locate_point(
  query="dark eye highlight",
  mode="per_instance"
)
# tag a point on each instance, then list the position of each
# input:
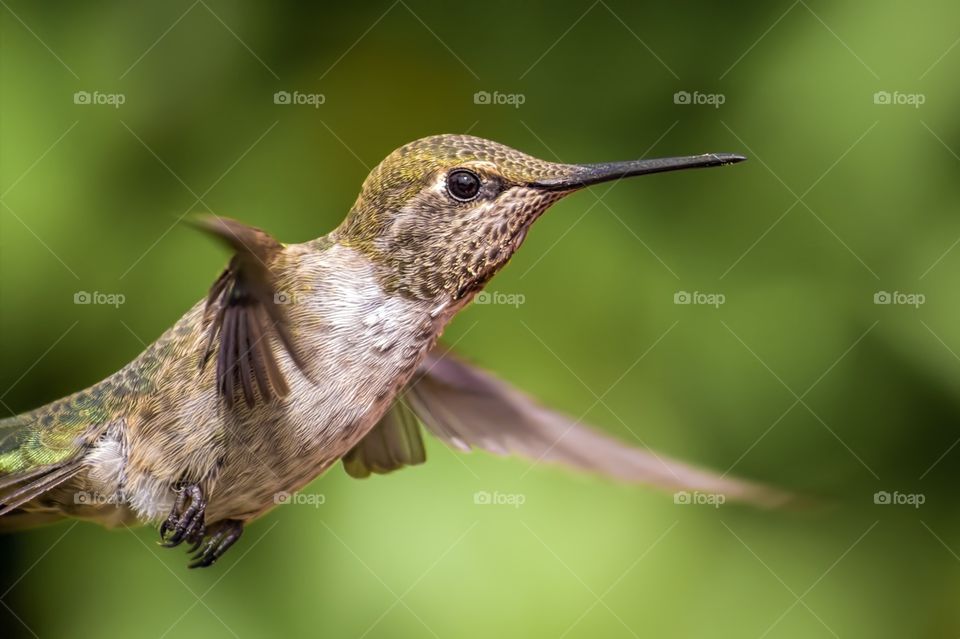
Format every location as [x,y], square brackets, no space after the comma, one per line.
[463,185]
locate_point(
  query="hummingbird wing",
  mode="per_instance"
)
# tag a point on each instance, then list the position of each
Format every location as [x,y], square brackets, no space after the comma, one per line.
[243,310]
[468,408]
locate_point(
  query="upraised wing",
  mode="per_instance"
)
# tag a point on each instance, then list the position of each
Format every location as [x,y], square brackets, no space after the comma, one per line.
[243,310]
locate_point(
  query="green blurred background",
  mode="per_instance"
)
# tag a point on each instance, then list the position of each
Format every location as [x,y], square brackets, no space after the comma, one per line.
[799,378]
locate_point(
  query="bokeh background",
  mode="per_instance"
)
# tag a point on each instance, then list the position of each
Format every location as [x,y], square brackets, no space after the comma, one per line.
[799,378]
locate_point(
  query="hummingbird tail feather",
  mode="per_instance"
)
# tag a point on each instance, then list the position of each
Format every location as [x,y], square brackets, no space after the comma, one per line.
[36,485]
[19,478]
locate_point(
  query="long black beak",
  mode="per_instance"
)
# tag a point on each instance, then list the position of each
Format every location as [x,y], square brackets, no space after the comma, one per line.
[581,175]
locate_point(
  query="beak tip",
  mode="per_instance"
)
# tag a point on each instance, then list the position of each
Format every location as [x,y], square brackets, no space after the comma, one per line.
[729,158]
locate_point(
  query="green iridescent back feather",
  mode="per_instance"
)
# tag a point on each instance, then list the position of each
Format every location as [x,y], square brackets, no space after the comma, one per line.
[403,173]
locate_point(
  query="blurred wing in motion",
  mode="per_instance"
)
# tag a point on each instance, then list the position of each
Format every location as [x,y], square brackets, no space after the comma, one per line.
[243,310]
[468,408]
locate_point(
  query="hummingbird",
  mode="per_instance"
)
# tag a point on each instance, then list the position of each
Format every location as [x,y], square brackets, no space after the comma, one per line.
[305,355]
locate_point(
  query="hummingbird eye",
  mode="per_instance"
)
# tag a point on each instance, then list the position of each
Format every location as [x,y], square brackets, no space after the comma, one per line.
[463,185]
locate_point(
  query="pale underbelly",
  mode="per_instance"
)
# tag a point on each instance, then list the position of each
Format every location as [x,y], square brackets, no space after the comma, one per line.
[267,463]
[262,475]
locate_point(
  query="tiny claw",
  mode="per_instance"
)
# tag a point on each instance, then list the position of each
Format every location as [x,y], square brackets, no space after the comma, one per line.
[195,551]
[184,524]
[227,533]
[196,537]
[210,544]
[207,560]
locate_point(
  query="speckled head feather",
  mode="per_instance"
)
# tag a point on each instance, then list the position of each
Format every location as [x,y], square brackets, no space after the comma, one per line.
[432,244]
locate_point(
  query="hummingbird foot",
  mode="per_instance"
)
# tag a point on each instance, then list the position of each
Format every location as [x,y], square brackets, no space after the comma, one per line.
[185,522]
[222,535]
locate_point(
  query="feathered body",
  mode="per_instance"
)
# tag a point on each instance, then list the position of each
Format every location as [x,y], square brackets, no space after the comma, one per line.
[362,346]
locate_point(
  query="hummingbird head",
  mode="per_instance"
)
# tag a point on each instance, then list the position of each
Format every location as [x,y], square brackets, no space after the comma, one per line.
[444,213]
